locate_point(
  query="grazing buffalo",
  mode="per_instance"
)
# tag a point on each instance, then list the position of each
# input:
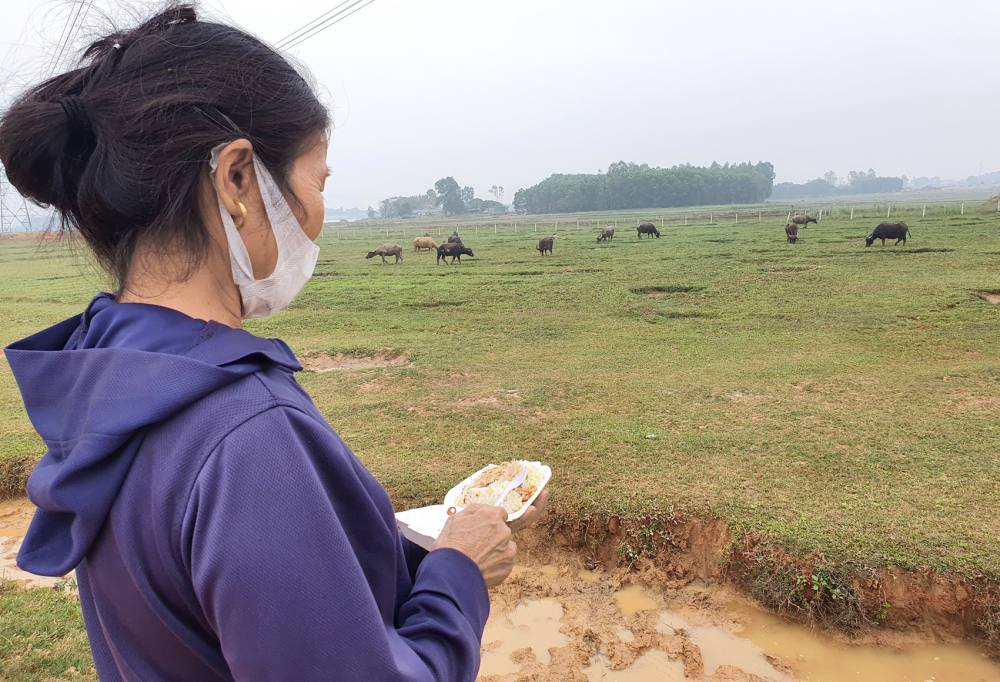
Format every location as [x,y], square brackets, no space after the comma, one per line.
[387,249]
[424,243]
[897,231]
[648,228]
[545,244]
[607,234]
[455,250]
[792,232]
[803,220]
[454,238]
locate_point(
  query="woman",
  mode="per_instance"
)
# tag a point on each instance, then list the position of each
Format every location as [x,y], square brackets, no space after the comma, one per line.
[219,527]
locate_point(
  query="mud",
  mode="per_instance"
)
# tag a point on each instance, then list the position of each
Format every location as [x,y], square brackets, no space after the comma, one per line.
[989,297]
[15,516]
[669,552]
[553,623]
[325,362]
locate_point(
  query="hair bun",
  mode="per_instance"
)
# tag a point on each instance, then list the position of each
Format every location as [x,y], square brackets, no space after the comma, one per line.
[36,152]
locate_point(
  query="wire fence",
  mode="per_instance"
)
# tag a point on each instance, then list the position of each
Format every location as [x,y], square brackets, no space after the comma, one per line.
[544,226]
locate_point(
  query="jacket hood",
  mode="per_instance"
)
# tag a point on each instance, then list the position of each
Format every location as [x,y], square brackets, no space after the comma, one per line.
[90,384]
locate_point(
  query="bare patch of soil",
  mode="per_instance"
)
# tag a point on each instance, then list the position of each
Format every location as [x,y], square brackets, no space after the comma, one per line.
[15,516]
[326,362]
[989,297]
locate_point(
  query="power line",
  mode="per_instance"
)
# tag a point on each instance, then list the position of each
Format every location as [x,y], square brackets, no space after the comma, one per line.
[299,30]
[325,24]
[69,31]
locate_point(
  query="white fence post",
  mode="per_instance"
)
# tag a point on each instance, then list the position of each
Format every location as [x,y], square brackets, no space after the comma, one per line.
[888,210]
[536,227]
[963,208]
[737,217]
[758,216]
[852,214]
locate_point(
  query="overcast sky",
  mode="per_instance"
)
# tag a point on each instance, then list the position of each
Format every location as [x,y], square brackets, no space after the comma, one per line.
[507,92]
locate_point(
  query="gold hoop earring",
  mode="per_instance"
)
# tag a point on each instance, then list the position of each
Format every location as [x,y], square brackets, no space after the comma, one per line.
[243,223]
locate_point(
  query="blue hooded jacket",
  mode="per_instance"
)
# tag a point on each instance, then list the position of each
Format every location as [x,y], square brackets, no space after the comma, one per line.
[220,529]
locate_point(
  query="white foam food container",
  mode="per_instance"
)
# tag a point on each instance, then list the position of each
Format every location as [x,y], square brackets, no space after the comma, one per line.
[423,525]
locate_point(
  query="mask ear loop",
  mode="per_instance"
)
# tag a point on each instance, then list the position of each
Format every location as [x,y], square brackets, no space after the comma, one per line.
[243,223]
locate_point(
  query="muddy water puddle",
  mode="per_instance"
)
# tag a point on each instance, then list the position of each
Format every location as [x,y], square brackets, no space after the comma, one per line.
[561,624]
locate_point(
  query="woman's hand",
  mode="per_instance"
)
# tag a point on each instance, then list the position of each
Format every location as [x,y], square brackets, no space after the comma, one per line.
[531,514]
[480,532]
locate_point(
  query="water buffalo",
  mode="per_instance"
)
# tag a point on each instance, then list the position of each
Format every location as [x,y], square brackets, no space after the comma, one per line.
[648,228]
[424,243]
[792,232]
[545,244]
[803,220]
[387,249]
[454,238]
[607,234]
[455,250]
[897,231]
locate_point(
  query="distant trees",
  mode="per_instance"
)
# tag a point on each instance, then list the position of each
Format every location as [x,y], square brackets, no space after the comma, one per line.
[629,185]
[449,196]
[394,207]
[858,182]
[371,213]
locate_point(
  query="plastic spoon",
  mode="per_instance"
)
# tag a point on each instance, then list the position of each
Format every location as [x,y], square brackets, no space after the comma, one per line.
[518,480]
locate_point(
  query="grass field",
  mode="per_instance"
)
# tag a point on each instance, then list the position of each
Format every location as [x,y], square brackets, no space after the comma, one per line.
[838,398]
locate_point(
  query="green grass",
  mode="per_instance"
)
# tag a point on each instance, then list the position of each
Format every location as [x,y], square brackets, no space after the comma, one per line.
[837,398]
[42,638]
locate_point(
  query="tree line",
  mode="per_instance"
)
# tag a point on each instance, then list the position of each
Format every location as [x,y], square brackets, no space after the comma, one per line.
[629,185]
[447,195]
[857,182]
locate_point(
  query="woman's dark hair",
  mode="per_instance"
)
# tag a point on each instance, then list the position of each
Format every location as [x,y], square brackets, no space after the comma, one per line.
[118,146]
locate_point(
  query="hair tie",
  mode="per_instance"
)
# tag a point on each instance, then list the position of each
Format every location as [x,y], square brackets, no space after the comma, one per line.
[80,130]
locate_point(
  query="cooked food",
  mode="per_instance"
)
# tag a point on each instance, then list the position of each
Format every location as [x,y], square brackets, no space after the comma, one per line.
[489,484]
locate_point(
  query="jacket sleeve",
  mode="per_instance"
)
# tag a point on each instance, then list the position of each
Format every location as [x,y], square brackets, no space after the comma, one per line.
[414,555]
[299,575]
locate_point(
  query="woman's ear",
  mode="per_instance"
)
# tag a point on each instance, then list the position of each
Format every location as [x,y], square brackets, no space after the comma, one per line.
[234,176]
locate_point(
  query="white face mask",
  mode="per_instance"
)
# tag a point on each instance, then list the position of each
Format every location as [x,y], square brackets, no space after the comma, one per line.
[296,253]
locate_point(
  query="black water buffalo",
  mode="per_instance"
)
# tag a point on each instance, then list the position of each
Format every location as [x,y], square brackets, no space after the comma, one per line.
[897,231]
[648,228]
[792,232]
[607,234]
[803,220]
[454,238]
[455,250]
[545,244]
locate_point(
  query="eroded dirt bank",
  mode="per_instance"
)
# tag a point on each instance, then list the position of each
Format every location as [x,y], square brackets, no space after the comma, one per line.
[880,605]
